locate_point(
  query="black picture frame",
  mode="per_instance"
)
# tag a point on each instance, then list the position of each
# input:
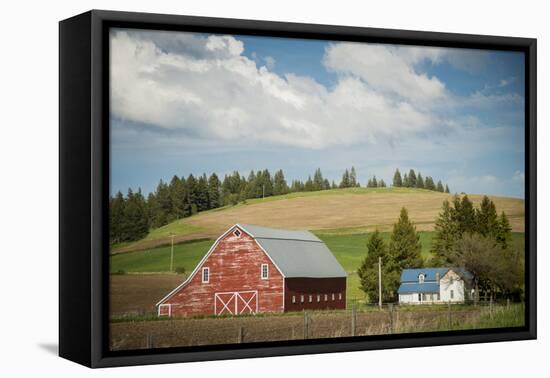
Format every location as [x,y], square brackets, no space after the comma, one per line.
[84,186]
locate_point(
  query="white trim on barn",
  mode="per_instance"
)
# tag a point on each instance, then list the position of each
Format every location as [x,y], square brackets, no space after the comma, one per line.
[169,309]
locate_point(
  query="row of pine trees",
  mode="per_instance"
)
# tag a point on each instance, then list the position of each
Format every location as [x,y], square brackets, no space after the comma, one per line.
[133,215]
[477,239]
[413,180]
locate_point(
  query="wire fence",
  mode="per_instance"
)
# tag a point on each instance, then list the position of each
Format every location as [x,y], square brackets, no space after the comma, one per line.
[360,319]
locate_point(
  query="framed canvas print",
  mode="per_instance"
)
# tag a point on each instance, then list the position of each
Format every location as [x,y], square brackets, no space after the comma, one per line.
[234,188]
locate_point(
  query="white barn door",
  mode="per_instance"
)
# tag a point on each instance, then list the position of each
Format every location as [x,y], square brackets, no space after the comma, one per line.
[236,303]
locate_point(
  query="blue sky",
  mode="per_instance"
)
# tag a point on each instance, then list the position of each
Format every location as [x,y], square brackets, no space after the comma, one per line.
[192,103]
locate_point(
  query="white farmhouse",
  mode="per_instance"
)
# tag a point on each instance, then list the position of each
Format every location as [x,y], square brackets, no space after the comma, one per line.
[435,285]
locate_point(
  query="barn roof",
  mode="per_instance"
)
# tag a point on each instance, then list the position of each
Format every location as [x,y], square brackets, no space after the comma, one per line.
[296,253]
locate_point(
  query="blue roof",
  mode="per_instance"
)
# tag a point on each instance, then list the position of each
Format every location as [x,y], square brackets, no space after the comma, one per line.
[426,287]
[411,275]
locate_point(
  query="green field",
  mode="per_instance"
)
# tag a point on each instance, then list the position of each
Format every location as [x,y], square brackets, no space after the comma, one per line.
[349,250]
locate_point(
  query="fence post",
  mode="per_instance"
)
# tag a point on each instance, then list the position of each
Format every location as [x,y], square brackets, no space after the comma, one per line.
[149,341]
[391,317]
[306,326]
[449,315]
[240,336]
[491,306]
[353,318]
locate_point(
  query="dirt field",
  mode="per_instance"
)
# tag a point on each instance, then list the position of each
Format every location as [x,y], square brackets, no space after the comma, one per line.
[330,210]
[136,294]
[208,331]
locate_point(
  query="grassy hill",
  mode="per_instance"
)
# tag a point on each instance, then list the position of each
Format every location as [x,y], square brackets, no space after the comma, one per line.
[331,212]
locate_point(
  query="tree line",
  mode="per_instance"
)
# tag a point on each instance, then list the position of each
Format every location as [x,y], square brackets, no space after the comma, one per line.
[413,180]
[132,215]
[477,239]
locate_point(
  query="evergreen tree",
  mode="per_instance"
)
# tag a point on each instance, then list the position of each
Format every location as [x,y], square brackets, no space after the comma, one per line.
[178,195]
[116,216]
[419,181]
[353,178]
[214,191]
[405,248]
[412,179]
[326,184]
[333,185]
[374,182]
[267,189]
[445,237]
[465,214]
[406,181]
[447,189]
[317,180]
[487,218]
[192,193]
[202,197]
[135,225]
[368,271]
[279,183]
[440,187]
[381,184]
[429,183]
[308,187]
[397,180]
[504,231]
[345,183]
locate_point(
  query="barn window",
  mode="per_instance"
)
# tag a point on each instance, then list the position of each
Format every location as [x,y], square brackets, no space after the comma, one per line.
[318,297]
[237,232]
[310,298]
[293,299]
[302,298]
[333,296]
[339,296]
[205,275]
[421,278]
[265,271]
[326,297]
[452,294]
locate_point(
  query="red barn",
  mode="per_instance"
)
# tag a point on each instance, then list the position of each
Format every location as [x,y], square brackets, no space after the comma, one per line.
[252,269]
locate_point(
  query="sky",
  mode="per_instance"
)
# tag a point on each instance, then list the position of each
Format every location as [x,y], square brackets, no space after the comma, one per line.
[188,103]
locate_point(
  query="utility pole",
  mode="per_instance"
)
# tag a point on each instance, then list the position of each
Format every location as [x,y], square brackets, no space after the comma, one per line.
[380,282]
[172,254]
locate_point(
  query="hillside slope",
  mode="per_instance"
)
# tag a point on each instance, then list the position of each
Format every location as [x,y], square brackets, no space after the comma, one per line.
[332,211]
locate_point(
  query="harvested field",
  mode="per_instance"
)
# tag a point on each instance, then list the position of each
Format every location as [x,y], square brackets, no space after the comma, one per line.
[136,294]
[355,209]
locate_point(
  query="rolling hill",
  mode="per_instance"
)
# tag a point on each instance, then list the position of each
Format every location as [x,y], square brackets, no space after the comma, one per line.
[337,211]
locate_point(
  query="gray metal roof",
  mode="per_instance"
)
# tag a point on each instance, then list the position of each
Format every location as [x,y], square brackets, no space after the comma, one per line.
[296,253]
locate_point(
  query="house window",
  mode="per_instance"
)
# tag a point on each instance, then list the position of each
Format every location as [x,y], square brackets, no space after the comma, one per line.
[333,296]
[421,278]
[452,294]
[301,298]
[419,297]
[265,271]
[318,297]
[205,275]
[326,297]
[237,232]
[437,296]
[293,299]
[310,298]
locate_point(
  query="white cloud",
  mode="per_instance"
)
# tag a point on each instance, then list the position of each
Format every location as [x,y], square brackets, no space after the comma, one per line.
[519,176]
[215,92]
